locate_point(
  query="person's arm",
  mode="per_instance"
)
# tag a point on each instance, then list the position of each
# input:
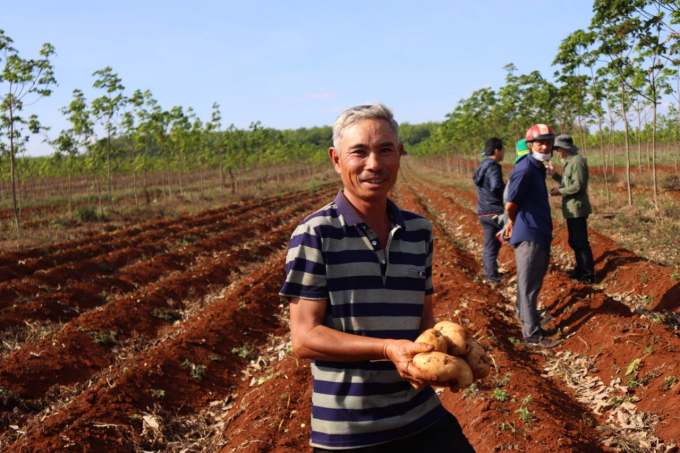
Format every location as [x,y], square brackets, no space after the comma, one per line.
[511,210]
[312,340]
[552,172]
[496,182]
[576,179]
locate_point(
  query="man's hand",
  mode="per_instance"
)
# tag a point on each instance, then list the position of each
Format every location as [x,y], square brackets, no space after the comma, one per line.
[555,192]
[401,353]
[550,169]
[507,233]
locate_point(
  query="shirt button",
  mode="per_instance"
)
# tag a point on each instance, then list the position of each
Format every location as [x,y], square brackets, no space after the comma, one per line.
[374,242]
[383,261]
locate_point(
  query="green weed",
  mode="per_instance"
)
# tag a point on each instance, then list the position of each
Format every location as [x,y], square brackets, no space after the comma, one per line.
[470,392]
[157,393]
[669,382]
[500,395]
[243,352]
[103,337]
[197,371]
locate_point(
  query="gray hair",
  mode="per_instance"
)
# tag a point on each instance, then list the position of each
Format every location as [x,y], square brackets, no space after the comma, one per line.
[353,115]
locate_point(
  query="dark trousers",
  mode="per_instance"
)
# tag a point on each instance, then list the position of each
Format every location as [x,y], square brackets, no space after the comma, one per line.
[491,248]
[578,241]
[445,436]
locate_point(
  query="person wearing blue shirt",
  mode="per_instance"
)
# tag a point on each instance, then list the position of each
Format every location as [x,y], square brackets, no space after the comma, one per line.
[530,230]
[488,178]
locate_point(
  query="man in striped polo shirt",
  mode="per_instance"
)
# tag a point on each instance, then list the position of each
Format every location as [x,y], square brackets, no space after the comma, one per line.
[359,283]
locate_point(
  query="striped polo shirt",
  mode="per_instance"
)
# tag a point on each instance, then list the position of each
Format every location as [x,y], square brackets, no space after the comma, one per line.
[372,291]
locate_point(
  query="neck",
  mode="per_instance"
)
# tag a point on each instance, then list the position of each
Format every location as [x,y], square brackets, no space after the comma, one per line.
[370,211]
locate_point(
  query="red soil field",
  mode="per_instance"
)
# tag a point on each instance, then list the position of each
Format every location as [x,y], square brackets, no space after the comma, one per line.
[170,336]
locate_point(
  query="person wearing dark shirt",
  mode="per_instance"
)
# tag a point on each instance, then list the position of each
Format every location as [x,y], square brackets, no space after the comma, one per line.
[530,230]
[488,178]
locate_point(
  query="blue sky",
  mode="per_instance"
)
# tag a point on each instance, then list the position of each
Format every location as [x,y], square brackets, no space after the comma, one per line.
[290,64]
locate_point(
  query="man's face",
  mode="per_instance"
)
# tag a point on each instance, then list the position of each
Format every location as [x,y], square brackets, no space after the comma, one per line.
[541,146]
[563,153]
[501,154]
[368,160]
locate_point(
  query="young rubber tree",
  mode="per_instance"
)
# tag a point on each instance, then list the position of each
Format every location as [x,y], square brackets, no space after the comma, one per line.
[134,137]
[21,80]
[105,110]
[70,141]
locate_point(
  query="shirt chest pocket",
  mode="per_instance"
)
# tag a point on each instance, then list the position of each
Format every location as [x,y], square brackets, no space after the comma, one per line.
[410,278]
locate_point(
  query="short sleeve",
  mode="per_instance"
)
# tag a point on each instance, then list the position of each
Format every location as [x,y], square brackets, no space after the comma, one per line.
[305,267]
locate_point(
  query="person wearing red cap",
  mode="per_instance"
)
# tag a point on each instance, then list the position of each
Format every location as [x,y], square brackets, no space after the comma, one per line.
[530,230]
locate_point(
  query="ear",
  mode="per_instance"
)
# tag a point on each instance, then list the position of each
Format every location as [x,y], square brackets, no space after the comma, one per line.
[334,155]
[400,148]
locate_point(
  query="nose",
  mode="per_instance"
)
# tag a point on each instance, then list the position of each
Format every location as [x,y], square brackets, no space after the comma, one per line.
[373,161]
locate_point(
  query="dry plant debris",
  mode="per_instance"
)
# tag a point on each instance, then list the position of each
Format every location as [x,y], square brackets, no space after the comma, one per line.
[628,430]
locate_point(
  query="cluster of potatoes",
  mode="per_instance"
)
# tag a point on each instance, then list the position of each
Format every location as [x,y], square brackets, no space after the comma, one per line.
[457,360]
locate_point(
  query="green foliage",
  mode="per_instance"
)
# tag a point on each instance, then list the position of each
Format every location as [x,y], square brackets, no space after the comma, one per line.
[502,382]
[243,352]
[87,214]
[500,395]
[158,393]
[675,276]
[166,315]
[633,366]
[471,391]
[669,382]
[524,413]
[104,338]
[196,371]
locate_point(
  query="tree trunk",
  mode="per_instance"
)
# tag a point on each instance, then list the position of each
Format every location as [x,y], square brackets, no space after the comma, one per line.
[639,141]
[625,127]
[581,129]
[13,170]
[656,188]
[108,167]
[233,180]
[70,196]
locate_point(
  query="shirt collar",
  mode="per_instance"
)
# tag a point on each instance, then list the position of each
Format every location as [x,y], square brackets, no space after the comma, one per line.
[347,211]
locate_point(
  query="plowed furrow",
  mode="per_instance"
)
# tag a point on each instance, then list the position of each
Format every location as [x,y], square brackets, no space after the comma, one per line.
[479,310]
[62,292]
[206,340]
[22,264]
[596,322]
[73,356]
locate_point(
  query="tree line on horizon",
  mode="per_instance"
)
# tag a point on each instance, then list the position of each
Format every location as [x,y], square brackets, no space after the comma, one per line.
[138,135]
[610,78]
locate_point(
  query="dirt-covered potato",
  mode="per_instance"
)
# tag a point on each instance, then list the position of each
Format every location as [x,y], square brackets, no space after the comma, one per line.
[444,366]
[479,362]
[435,338]
[456,337]
[465,377]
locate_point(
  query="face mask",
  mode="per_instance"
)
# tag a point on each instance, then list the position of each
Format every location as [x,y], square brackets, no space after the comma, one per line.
[541,157]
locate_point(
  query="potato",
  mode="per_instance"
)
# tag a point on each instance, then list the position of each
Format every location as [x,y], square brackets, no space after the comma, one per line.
[435,338]
[444,366]
[456,337]
[479,362]
[465,377]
